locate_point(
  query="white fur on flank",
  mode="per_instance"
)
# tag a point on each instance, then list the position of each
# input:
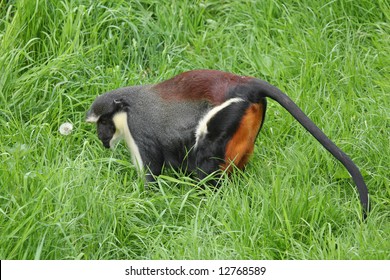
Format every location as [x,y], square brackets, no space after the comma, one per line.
[201,130]
[122,131]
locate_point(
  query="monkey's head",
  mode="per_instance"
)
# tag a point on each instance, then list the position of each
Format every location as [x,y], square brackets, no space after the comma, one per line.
[102,112]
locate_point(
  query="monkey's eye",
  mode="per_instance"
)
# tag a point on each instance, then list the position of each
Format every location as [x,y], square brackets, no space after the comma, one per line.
[103,122]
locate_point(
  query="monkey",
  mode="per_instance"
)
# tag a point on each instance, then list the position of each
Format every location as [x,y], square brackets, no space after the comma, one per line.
[201,121]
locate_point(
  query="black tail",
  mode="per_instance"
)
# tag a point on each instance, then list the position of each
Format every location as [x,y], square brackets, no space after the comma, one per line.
[267,90]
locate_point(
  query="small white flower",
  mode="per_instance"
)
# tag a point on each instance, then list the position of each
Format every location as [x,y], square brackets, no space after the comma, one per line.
[66,128]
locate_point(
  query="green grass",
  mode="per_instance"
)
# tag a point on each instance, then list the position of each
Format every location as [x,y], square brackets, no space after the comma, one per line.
[66,197]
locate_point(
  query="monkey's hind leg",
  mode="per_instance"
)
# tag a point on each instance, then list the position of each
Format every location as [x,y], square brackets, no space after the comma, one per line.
[226,136]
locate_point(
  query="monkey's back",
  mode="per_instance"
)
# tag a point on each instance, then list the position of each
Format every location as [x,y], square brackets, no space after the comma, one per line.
[164,129]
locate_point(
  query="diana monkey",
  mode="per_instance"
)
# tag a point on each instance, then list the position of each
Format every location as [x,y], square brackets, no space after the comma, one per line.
[202,120]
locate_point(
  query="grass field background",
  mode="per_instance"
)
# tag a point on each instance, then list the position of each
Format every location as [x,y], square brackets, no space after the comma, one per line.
[66,197]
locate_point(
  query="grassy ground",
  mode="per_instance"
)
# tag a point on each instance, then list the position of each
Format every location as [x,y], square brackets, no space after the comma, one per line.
[66,197]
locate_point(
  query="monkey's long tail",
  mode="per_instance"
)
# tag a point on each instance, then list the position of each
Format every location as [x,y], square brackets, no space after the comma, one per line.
[268,90]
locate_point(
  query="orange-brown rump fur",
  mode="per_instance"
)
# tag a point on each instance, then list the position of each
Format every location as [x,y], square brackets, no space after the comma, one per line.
[241,145]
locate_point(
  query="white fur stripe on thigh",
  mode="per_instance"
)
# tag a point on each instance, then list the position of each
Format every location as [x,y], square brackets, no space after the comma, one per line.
[201,130]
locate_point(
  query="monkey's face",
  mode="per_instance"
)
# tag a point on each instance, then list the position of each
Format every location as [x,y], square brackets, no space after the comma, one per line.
[105,130]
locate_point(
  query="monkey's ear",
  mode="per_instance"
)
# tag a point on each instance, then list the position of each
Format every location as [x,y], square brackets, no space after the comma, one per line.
[119,104]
